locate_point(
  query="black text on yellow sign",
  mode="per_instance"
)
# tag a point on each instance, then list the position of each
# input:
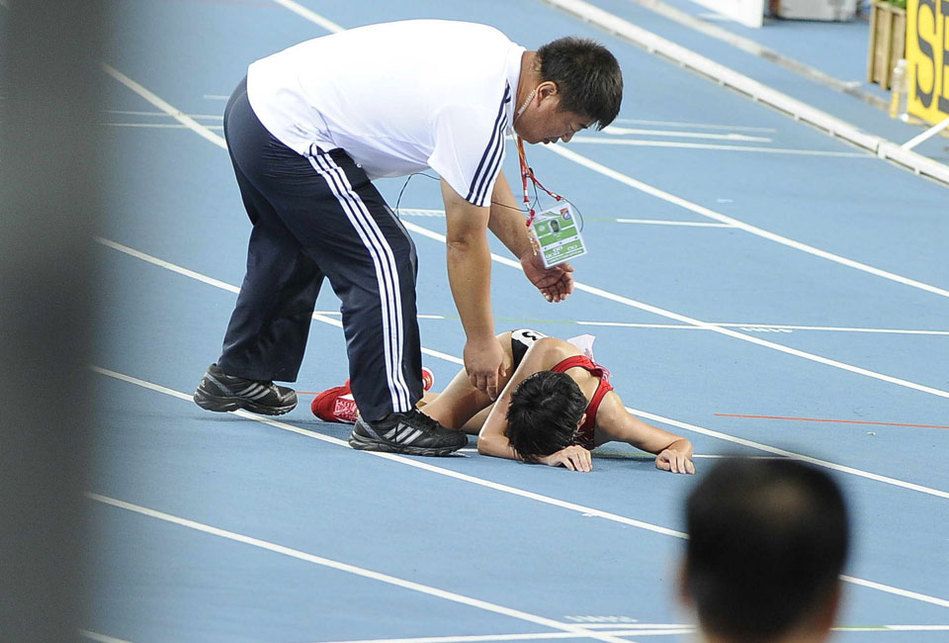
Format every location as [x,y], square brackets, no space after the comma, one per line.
[927,52]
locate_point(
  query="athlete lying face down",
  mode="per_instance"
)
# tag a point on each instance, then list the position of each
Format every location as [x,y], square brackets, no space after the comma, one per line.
[555,406]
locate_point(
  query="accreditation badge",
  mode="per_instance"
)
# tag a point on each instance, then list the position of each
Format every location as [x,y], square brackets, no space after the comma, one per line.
[556,235]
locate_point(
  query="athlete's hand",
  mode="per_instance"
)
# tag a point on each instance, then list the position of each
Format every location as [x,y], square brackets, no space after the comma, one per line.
[574,457]
[554,283]
[675,461]
[484,363]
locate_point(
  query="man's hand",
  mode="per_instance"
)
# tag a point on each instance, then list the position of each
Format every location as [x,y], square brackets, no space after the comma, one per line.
[675,461]
[574,457]
[554,283]
[484,362]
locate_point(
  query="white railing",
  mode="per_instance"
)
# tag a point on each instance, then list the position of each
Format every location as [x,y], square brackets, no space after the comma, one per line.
[883,148]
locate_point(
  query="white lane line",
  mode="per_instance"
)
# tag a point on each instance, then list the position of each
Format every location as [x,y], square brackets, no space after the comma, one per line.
[616,130]
[356,571]
[697,224]
[613,622]
[326,318]
[833,329]
[533,636]
[757,328]
[826,361]
[903,628]
[130,112]
[622,629]
[310,15]
[711,214]
[904,593]
[747,327]
[175,113]
[101,638]
[739,128]
[587,512]
[938,493]
[712,146]
[167,265]
[422,212]
[444,356]
[637,325]
[159,126]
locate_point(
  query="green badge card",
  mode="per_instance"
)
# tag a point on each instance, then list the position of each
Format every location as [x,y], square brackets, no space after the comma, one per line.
[557,236]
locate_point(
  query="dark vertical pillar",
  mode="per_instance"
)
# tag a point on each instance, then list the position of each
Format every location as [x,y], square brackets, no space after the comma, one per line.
[50,195]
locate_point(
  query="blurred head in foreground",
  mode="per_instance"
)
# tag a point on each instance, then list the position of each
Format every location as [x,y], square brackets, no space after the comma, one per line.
[767,541]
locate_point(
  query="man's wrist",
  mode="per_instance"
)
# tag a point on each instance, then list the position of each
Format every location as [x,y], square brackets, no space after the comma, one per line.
[482,337]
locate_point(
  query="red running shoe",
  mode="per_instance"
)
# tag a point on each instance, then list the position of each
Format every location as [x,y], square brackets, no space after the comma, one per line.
[428,379]
[335,405]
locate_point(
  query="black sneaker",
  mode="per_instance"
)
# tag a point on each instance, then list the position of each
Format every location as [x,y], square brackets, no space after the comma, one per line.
[219,391]
[412,433]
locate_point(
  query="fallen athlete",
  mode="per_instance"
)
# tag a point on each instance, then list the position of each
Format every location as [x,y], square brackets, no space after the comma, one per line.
[556,405]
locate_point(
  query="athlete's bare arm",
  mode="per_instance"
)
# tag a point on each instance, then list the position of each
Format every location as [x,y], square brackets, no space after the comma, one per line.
[614,422]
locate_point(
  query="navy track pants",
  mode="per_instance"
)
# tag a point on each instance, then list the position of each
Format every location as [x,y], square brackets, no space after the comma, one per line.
[319,216]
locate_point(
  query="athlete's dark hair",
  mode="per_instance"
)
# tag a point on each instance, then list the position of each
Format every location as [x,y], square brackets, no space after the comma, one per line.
[544,413]
[767,541]
[587,75]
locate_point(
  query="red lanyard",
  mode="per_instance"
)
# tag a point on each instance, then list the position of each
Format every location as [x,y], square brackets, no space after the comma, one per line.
[528,173]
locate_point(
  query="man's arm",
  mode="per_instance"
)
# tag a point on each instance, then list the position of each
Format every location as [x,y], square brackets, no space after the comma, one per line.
[507,224]
[469,275]
[614,422]
[507,219]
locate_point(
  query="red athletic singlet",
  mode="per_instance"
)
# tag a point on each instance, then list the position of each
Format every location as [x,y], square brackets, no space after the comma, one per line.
[585,433]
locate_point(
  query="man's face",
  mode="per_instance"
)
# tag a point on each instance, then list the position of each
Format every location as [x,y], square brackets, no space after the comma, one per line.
[547,123]
[562,126]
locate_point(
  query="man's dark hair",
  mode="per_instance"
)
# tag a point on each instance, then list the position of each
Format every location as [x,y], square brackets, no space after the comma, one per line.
[767,541]
[544,413]
[587,75]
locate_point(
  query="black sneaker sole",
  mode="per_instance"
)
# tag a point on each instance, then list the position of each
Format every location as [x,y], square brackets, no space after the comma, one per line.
[221,404]
[363,443]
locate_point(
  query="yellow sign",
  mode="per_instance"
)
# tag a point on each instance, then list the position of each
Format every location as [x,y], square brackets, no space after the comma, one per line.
[927,52]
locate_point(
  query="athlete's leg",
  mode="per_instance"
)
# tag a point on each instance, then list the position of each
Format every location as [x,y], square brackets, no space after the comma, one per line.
[461,401]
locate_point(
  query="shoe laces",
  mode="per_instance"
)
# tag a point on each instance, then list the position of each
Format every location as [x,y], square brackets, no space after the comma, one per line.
[427,421]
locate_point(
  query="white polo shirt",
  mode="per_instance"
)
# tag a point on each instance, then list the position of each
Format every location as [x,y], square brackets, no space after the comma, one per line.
[398,97]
